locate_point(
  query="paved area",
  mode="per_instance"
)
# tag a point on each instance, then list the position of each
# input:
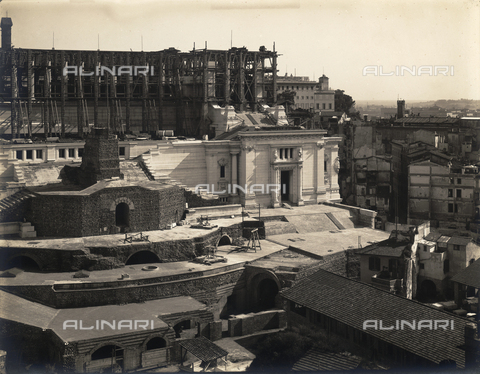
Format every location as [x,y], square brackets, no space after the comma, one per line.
[118,240]
[235,259]
[324,243]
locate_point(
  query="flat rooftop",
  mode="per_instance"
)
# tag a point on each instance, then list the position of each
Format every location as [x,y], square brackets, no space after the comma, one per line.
[320,244]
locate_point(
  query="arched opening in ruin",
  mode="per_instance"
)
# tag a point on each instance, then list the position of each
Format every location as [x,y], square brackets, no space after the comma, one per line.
[122,215]
[22,262]
[429,290]
[224,240]
[156,343]
[107,359]
[143,257]
[181,326]
[267,290]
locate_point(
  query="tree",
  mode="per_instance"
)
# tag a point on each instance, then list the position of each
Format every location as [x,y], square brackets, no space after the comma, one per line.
[345,103]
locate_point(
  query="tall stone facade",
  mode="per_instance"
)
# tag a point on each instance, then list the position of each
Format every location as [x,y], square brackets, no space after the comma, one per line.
[100,159]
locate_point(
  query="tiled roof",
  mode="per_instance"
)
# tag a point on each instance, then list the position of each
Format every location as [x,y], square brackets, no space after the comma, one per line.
[318,360]
[389,248]
[203,348]
[433,236]
[469,276]
[352,303]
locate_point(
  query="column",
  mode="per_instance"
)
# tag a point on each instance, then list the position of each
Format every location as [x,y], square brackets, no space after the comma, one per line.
[276,193]
[300,184]
[234,179]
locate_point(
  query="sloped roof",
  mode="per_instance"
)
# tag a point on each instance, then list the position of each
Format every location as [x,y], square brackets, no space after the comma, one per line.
[469,276]
[318,360]
[352,303]
[460,240]
[203,348]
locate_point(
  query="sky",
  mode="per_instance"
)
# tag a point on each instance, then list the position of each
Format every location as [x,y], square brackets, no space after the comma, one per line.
[354,43]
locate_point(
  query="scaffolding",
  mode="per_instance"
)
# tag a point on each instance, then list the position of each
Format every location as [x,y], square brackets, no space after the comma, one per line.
[60,86]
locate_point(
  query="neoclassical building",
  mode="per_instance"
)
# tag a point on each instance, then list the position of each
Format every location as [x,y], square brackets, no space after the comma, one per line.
[264,166]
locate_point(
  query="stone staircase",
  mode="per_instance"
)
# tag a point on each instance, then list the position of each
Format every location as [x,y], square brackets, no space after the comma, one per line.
[153,174]
[14,200]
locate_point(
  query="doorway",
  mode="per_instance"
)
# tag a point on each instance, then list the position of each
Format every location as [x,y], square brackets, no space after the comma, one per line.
[122,216]
[285,182]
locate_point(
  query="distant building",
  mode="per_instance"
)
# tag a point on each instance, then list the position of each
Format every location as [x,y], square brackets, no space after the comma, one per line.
[441,194]
[310,95]
[372,184]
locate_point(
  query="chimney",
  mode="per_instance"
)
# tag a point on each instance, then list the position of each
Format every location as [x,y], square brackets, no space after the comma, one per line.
[6,25]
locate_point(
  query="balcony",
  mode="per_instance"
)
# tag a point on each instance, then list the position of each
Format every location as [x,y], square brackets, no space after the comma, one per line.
[383,281]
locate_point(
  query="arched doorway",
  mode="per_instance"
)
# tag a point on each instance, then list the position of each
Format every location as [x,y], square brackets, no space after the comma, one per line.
[429,290]
[106,359]
[156,353]
[224,240]
[181,327]
[267,290]
[156,343]
[142,257]
[122,215]
[23,262]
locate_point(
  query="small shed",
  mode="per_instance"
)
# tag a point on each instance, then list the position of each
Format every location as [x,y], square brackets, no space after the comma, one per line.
[203,349]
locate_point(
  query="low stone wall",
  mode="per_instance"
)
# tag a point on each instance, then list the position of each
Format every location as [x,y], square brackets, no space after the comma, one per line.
[201,287]
[246,324]
[362,217]
[110,257]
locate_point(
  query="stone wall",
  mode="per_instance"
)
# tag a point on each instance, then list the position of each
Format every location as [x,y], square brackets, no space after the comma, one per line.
[110,257]
[246,324]
[203,288]
[74,215]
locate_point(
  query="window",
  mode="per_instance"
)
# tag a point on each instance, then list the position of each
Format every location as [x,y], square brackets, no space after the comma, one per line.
[456,247]
[318,106]
[39,153]
[455,206]
[302,97]
[19,155]
[286,153]
[422,266]
[330,106]
[29,154]
[374,263]
[450,192]
[222,171]
[424,248]
[71,152]
[61,153]
[450,208]
[80,152]
[121,151]
[367,202]
[452,181]
[459,193]
[323,106]
[459,181]
[325,165]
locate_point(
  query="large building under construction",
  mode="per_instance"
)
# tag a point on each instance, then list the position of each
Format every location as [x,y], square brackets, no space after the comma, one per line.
[55,92]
